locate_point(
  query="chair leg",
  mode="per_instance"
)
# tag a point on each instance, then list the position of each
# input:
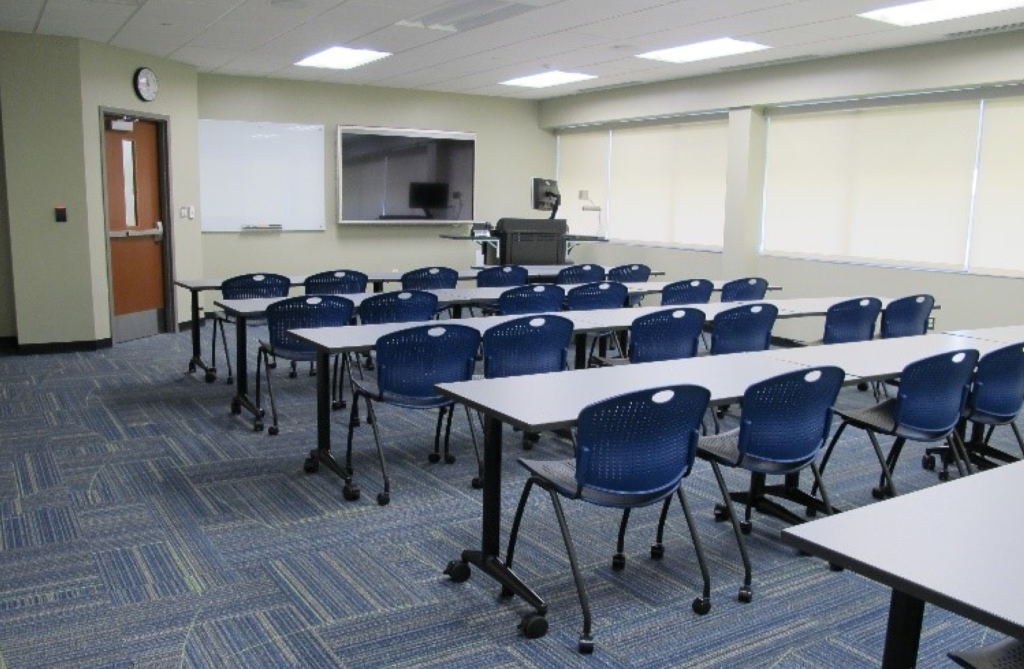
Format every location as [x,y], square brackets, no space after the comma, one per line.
[436,455]
[828,454]
[477,482]
[383,497]
[352,423]
[820,484]
[224,342]
[586,644]
[293,371]
[746,593]
[886,485]
[702,604]
[448,457]
[658,547]
[262,358]
[1016,433]
[337,381]
[516,520]
[619,559]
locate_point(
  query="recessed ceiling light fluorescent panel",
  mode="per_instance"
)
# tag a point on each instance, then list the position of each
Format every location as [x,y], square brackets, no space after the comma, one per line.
[546,79]
[933,11]
[716,48]
[342,58]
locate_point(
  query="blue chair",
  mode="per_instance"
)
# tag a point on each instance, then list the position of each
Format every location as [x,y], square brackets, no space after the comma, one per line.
[635,273]
[1006,653]
[665,335]
[631,451]
[502,276]
[336,282]
[602,295]
[306,311]
[907,316]
[932,396]
[752,288]
[743,328]
[690,291]
[536,299]
[400,306]
[996,398]
[784,422]
[430,278]
[851,320]
[410,363]
[244,287]
[579,274]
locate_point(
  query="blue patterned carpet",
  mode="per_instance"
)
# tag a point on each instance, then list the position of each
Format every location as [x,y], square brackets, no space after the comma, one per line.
[145,526]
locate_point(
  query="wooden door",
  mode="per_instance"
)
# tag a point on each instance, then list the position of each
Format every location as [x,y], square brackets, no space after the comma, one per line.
[134,223]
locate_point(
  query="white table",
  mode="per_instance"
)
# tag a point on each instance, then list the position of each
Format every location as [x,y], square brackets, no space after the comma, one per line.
[1006,334]
[941,545]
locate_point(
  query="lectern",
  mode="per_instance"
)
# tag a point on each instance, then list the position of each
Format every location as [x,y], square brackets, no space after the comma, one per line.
[531,241]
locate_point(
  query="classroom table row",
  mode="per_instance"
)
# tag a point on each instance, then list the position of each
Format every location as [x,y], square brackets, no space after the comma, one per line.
[918,570]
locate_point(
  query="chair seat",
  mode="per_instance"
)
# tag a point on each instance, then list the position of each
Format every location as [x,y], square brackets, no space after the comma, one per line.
[288,353]
[1005,654]
[560,473]
[723,448]
[880,417]
[406,401]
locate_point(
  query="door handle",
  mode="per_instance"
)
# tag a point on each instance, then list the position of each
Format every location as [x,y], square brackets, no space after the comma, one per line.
[157,233]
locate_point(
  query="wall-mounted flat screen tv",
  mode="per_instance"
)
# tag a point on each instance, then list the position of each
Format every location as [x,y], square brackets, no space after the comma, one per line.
[405,176]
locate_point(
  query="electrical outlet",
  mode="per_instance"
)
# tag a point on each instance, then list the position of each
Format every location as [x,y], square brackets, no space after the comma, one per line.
[931,322]
[183,212]
[191,211]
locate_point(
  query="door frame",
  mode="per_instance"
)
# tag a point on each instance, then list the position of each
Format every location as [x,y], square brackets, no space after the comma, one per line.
[170,319]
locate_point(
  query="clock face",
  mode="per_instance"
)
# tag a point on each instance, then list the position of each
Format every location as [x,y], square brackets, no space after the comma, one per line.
[146,85]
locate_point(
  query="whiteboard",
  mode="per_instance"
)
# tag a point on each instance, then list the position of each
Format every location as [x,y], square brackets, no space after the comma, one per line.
[255,176]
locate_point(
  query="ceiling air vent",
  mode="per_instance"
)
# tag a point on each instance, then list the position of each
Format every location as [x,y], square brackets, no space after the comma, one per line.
[609,87]
[1008,28]
[768,63]
[461,16]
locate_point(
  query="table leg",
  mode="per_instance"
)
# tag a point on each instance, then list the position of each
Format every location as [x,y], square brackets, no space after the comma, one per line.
[903,633]
[241,399]
[196,362]
[488,558]
[581,351]
[321,455]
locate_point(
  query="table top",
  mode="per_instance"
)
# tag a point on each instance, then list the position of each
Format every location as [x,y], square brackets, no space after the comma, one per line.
[541,402]
[880,358]
[1006,334]
[955,545]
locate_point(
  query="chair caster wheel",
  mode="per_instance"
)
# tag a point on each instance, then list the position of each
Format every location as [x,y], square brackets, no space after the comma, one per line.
[236,407]
[721,512]
[257,426]
[586,646]
[928,462]
[879,493]
[434,457]
[533,625]
[272,430]
[943,476]
[618,562]
[457,571]
[745,594]
[338,404]
[863,387]
[657,551]
[701,605]
[383,498]
[261,412]
[312,464]
[210,376]
[350,492]
[746,526]
[527,445]
[293,374]
[477,483]
[449,459]
[506,592]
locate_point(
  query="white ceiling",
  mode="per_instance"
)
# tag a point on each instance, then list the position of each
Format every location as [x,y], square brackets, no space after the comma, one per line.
[468,46]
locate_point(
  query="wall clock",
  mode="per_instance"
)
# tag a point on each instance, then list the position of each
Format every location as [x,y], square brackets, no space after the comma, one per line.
[146,85]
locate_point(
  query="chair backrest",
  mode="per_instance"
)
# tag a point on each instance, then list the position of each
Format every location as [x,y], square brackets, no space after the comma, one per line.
[529,345]
[634,449]
[580,274]
[997,394]
[250,286]
[400,306]
[744,328]
[502,276]
[336,282]
[690,291]
[786,419]
[635,273]
[305,311]
[531,299]
[932,394]
[411,361]
[665,335]
[852,320]
[907,316]
[603,295]
[430,278]
[750,288]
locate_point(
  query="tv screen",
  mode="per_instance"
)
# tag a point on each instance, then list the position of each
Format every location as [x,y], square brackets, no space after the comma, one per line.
[405,175]
[545,194]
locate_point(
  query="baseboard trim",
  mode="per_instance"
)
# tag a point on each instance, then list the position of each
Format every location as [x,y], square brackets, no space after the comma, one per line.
[64,347]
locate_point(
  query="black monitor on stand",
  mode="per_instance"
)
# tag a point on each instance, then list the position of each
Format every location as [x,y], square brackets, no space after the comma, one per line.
[546,196]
